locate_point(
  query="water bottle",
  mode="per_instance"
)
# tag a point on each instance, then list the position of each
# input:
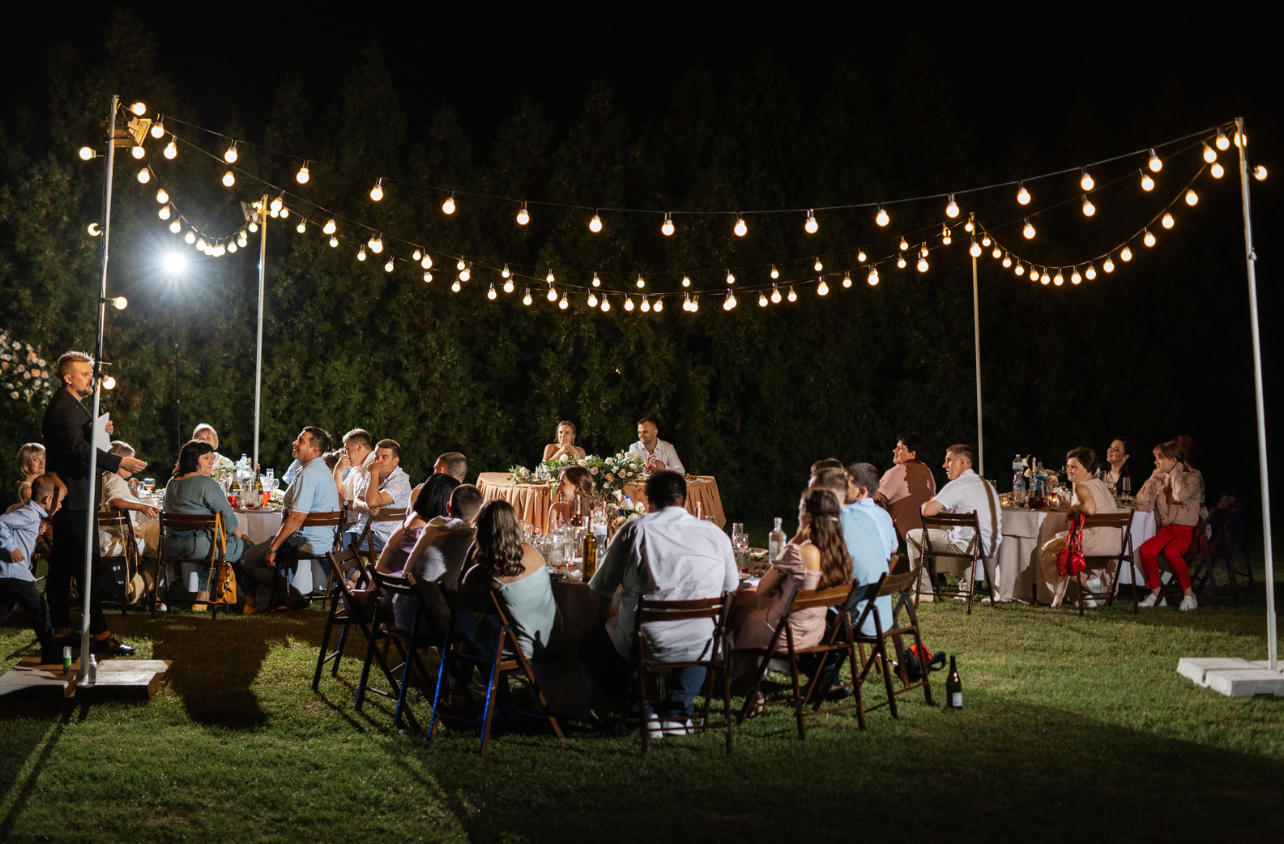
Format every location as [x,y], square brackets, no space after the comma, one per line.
[1018,477]
[775,541]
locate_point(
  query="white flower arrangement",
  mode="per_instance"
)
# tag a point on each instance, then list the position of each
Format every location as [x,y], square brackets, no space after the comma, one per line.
[23,373]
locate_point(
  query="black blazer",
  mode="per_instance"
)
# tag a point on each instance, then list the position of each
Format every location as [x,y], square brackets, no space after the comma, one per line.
[68,434]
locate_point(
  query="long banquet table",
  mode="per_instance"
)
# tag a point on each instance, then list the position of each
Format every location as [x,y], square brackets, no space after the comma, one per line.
[531,501]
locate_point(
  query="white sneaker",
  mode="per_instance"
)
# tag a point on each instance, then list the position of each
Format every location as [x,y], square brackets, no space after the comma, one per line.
[677,726]
[1150,601]
[654,729]
[1188,603]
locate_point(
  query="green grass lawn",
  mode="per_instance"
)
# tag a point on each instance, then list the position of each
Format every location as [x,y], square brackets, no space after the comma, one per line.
[1072,730]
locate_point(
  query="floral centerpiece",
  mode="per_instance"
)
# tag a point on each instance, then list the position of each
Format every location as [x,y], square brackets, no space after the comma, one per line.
[23,372]
[610,474]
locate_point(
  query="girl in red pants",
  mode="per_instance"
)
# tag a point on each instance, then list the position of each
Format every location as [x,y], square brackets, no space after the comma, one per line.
[1175,494]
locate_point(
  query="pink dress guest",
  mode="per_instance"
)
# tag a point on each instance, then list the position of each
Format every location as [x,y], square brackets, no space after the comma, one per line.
[394,562]
[753,628]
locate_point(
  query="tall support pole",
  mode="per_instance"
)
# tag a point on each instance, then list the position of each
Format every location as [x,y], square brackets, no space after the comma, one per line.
[976,327]
[1250,259]
[91,510]
[258,352]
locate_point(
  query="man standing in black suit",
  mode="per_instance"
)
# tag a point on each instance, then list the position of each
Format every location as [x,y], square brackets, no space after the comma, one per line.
[69,436]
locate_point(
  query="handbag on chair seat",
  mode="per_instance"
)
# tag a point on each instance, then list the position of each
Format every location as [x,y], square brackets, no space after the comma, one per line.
[1070,561]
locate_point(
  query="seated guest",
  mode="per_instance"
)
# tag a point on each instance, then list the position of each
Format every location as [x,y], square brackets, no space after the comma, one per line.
[451,463]
[501,562]
[565,447]
[31,465]
[821,465]
[815,558]
[441,550]
[205,433]
[119,497]
[312,491]
[1091,496]
[657,453]
[668,555]
[966,492]
[907,486]
[574,489]
[19,530]
[433,503]
[354,462]
[1116,466]
[1187,444]
[862,484]
[1172,492]
[866,544]
[193,492]
[384,484]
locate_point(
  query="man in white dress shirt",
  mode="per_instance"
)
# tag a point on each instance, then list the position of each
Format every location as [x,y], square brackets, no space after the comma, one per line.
[966,492]
[657,453]
[384,484]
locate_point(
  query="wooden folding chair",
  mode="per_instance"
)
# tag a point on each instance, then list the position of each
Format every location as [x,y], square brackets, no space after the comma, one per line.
[1205,554]
[838,642]
[332,520]
[974,554]
[1235,536]
[181,522]
[1121,522]
[366,537]
[900,588]
[460,657]
[422,633]
[118,524]
[348,608]
[716,663]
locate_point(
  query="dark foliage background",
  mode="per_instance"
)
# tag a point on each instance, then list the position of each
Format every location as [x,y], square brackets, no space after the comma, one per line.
[752,396]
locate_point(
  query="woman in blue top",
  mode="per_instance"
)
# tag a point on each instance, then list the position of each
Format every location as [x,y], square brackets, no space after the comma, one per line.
[193,491]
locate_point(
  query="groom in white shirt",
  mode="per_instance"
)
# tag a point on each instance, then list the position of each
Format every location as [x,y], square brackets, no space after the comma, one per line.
[657,453]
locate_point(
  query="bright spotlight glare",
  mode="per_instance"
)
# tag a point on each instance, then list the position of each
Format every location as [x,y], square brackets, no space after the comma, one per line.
[175,263]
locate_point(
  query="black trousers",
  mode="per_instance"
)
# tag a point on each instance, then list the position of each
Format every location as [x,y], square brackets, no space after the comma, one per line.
[23,593]
[67,563]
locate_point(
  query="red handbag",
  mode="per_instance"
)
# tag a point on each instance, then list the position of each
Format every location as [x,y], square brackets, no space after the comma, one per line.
[1070,561]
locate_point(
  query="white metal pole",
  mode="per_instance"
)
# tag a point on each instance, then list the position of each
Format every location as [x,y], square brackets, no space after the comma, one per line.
[258,353]
[976,326]
[91,510]
[1250,259]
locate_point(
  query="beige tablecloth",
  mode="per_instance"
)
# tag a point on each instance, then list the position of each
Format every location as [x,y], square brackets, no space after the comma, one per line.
[531,501]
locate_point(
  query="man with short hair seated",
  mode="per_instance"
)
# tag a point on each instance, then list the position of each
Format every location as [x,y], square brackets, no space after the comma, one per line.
[666,555]
[383,484]
[966,492]
[451,463]
[907,485]
[313,490]
[657,453]
[350,472]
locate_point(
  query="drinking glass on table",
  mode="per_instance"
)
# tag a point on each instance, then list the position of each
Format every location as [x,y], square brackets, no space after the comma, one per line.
[1127,487]
[149,484]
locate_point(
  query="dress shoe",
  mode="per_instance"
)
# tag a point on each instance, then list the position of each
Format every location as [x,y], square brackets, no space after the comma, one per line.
[110,645]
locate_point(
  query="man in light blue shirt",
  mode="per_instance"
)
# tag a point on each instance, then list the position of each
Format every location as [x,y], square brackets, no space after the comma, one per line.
[312,491]
[865,541]
[18,533]
[862,483]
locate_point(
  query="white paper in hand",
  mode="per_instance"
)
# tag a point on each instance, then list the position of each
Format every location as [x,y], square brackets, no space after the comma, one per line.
[102,439]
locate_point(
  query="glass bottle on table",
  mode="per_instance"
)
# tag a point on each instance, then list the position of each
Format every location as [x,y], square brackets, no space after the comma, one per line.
[259,498]
[776,540]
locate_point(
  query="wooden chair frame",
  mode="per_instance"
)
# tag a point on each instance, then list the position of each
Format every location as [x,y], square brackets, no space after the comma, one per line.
[1206,553]
[718,662]
[119,520]
[184,522]
[333,519]
[899,587]
[1121,522]
[345,611]
[974,554]
[407,644]
[839,640]
[460,657]
[366,537]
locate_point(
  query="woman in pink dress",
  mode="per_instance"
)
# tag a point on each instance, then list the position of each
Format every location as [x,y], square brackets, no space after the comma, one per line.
[816,558]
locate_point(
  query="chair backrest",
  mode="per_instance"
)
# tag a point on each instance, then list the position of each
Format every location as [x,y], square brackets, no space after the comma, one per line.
[341,564]
[391,583]
[430,599]
[650,611]
[866,592]
[808,599]
[947,522]
[187,522]
[482,603]
[895,584]
[389,515]
[333,519]
[1121,522]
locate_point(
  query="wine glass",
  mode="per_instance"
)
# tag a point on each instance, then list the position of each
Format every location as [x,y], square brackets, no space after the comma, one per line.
[1127,486]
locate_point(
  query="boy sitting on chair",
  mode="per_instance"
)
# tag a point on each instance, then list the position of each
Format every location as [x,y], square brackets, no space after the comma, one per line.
[19,531]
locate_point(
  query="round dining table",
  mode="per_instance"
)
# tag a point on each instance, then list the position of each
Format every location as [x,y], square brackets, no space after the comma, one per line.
[531,501]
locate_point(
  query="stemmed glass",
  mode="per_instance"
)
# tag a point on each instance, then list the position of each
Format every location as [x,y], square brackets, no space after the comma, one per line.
[1127,487]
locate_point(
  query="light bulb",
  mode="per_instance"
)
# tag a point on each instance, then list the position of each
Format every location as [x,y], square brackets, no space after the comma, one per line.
[860,256]
[508,286]
[900,262]
[904,245]
[228,179]
[997,252]
[138,109]
[1259,173]
[376,243]
[1020,269]
[176,227]
[94,230]
[975,249]
[302,176]
[1149,239]
[1023,195]
[775,294]
[872,278]
[552,294]
[847,279]
[1191,197]
[86,153]
[376,192]
[595,224]
[1089,273]
[285,212]
[731,279]
[1059,279]
[459,265]
[361,254]
[952,209]
[158,129]
[741,229]
[1045,279]
[729,302]
[491,294]
[881,218]
[1155,163]
[1125,254]
[334,241]
[417,255]
[592,299]
[189,238]
[969,227]
[628,303]
[1210,155]
[811,225]
[522,216]
[465,274]
[775,273]
[667,226]
[1034,273]
[1085,181]
[277,204]
[455,286]
[1108,265]
[427,277]
[597,282]
[526,300]
[1240,140]
[161,196]
[1168,221]
[985,240]
[232,247]
[1075,278]
[171,149]
[230,155]
[109,383]
[549,277]
[946,239]
[793,295]
[164,213]
[822,289]
[1218,171]
[329,227]
[1028,231]
[686,281]
[200,244]
[302,226]
[641,281]
[253,227]
[563,303]
[144,176]
[818,266]
[1088,208]
[1223,143]
[922,264]
[138,152]
[390,266]
[1147,183]
[606,305]
[448,207]
[659,305]
[1007,260]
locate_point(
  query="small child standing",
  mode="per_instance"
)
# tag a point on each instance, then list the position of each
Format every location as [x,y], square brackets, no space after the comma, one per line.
[19,531]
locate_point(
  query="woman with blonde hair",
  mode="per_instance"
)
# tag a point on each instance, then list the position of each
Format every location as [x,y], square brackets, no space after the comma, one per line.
[31,465]
[565,447]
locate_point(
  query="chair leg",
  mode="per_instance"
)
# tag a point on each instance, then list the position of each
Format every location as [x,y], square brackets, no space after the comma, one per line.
[726,696]
[490,700]
[1082,586]
[365,667]
[887,676]
[799,701]
[325,647]
[436,691]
